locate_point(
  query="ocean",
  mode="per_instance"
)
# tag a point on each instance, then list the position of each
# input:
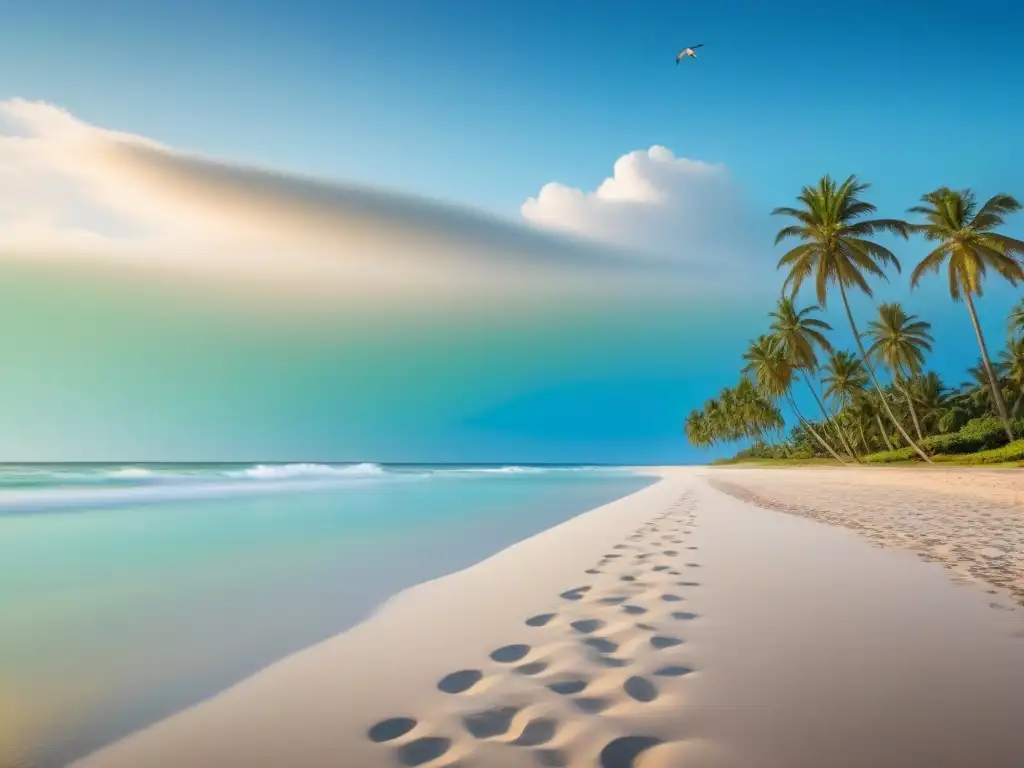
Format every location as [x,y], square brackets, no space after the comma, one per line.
[128,592]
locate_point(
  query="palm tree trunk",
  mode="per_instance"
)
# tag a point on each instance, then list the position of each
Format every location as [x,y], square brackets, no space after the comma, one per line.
[843,438]
[863,437]
[828,418]
[874,379]
[997,393]
[910,404]
[885,437]
[807,425]
[1017,405]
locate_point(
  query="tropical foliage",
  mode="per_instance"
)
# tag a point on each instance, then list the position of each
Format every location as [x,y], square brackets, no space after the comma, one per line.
[877,402]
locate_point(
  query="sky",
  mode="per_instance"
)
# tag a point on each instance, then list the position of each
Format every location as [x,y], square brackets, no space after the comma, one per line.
[402,231]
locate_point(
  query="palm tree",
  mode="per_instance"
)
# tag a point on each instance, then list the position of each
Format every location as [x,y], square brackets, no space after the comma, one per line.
[875,401]
[801,336]
[835,250]
[1015,322]
[930,394]
[845,378]
[1012,363]
[696,428]
[900,343]
[737,413]
[968,242]
[772,374]
[977,389]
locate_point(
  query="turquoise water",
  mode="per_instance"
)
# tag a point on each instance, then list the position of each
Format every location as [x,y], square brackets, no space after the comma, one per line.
[127,593]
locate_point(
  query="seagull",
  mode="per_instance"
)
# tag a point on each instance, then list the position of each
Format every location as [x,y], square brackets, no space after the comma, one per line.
[691,52]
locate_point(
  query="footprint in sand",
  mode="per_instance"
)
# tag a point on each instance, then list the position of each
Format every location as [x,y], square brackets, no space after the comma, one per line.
[551,758]
[533,668]
[623,752]
[684,615]
[461,681]
[671,598]
[510,653]
[673,670]
[537,732]
[641,689]
[661,642]
[391,729]
[539,620]
[601,645]
[592,706]
[614,600]
[634,610]
[586,626]
[490,723]
[688,583]
[575,594]
[603,660]
[569,687]
[423,750]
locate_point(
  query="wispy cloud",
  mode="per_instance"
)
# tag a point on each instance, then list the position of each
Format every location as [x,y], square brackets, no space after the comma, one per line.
[71,191]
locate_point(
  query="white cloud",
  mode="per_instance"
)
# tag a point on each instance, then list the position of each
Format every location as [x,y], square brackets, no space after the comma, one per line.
[72,191]
[658,203]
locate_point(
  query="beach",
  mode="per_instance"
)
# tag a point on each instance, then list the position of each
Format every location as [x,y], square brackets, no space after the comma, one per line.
[679,625]
[970,521]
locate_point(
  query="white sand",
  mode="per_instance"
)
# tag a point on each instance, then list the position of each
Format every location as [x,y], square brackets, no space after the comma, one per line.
[718,632]
[969,520]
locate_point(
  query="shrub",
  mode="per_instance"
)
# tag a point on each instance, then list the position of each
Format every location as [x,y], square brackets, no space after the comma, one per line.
[885,457]
[1010,452]
[983,434]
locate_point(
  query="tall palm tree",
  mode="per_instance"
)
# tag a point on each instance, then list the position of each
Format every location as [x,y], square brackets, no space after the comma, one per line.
[968,242]
[977,390]
[930,394]
[1012,363]
[1015,322]
[801,337]
[835,250]
[772,373]
[845,378]
[900,342]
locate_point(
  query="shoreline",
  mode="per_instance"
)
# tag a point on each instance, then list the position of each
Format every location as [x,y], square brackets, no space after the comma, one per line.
[665,626]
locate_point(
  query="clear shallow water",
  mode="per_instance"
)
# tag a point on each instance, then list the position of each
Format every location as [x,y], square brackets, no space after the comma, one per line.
[129,592]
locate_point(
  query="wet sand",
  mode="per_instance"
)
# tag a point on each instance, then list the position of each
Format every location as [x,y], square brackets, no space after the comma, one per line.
[678,626]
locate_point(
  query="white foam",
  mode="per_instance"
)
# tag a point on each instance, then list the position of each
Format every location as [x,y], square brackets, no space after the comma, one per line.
[284,471]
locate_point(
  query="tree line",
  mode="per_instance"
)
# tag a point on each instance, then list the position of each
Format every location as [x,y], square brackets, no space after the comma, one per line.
[856,413]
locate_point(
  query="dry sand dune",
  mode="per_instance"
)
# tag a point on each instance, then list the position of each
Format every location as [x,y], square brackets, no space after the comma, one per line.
[675,627]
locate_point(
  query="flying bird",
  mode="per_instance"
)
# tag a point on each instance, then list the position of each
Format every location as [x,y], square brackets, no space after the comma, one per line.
[691,52]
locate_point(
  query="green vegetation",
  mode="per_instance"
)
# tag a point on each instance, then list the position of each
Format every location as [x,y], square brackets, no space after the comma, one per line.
[878,404]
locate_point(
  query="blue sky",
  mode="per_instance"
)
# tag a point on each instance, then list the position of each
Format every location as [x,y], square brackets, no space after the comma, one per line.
[482,104]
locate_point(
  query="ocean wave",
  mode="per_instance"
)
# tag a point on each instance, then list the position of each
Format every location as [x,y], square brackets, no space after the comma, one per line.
[131,473]
[517,469]
[285,471]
